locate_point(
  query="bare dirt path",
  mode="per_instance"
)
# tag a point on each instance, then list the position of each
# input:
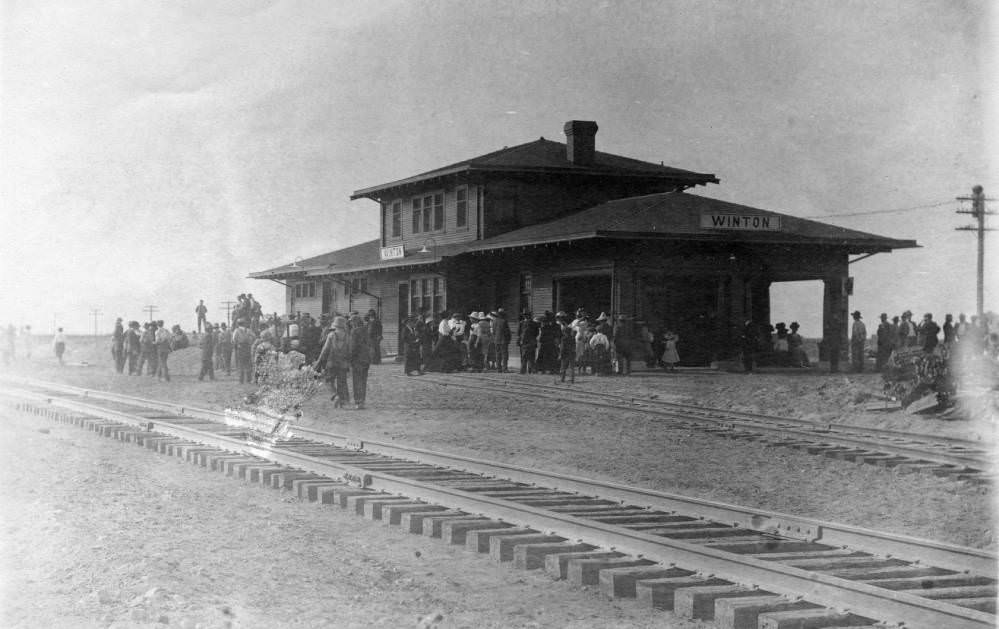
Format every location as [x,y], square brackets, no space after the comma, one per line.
[96,533]
[630,447]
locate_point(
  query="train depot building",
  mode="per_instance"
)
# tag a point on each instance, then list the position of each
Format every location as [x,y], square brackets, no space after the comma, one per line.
[549,226]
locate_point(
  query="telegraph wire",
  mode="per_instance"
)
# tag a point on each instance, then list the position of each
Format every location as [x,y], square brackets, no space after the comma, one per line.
[892,211]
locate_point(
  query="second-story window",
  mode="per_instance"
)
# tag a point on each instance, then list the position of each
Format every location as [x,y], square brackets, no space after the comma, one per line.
[427,204]
[428,213]
[417,216]
[439,211]
[461,207]
[396,219]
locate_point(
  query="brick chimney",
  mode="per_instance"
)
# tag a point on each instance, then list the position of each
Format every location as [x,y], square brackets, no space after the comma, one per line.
[580,141]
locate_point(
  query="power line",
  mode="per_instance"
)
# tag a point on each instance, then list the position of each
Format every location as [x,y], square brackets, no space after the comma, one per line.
[892,211]
[150,310]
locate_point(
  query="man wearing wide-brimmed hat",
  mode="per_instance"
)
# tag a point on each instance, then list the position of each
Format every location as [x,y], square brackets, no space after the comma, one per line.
[858,341]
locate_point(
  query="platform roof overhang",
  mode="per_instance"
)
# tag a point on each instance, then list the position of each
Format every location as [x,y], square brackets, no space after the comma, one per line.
[543,158]
[678,216]
[674,216]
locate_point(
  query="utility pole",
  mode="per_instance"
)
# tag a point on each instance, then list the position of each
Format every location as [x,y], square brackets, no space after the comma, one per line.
[150,310]
[228,309]
[978,199]
[95,312]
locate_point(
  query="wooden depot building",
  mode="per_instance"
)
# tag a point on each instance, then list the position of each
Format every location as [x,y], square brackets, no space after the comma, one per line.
[549,226]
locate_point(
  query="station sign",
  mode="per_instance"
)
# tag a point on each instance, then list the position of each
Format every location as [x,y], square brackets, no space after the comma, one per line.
[741,222]
[392,253]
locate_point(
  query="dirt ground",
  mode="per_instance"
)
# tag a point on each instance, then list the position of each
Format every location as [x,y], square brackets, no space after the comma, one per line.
[111,526]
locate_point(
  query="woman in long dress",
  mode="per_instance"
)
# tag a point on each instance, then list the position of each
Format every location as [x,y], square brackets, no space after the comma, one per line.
[670,356]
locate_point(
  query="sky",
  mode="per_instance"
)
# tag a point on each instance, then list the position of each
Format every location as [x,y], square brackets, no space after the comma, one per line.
[156,153]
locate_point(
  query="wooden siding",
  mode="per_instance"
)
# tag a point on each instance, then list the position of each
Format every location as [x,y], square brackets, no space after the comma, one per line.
[311,305]
[451,232]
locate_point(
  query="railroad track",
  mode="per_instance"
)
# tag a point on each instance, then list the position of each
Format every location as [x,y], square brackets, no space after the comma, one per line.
[958,459]
[701,559]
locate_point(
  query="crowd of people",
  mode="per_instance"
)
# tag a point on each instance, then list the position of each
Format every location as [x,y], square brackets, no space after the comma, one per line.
[333,346]
[552,343]
[779,345]
[964,338]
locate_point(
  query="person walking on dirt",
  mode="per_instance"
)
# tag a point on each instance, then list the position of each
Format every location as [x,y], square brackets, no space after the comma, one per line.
[527,339]
[566,347]
[207,346]
[147,349]
[410,342]
[164,346]
[360,359]
[335,359]
[59,345]
[671,357]
[132,346]
[886,340]
[548,342]
[501,339]
[858,341]
[907,330]
[118,346]
[375,335]
[201,310]
[242,341]
[28,341]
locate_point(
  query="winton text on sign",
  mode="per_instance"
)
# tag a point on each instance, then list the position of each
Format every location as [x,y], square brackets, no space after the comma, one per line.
[743,222]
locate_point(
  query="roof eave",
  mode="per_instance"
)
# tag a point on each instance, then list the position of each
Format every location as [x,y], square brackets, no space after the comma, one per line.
[684,178]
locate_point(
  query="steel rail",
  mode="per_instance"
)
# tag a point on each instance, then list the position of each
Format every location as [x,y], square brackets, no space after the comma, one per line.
[887,433]
[860,598]
[929,552]
[975,463]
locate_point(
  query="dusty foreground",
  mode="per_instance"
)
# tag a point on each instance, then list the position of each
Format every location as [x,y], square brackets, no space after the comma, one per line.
[97,533]
[101,534]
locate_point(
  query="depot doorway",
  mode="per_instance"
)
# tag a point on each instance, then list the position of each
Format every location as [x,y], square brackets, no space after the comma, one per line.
[687,306]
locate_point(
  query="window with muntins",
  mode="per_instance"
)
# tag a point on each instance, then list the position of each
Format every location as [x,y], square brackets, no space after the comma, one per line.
[305,290]
[396,219]
[427,204]
[417,215]
[438,211]
[461,207]
[427,295]
[428,213]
